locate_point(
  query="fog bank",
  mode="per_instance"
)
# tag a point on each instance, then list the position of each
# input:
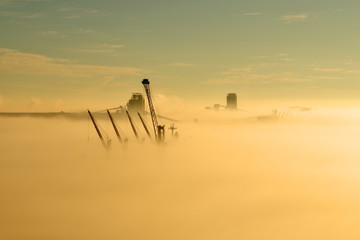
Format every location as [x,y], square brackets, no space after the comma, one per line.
[223,178]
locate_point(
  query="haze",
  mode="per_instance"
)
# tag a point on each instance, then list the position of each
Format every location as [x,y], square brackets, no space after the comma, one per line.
[228,179]
[228,175]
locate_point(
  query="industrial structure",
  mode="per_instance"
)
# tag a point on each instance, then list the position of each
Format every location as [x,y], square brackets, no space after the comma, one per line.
[107,143]
[159,130]
[114,126]
[136,103]
[231,101]
[144,125]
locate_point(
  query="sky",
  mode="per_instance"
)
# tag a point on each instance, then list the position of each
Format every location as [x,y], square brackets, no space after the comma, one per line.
[66,55]
[226,176]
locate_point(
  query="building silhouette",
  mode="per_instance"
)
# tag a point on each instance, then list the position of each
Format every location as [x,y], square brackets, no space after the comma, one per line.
[136,103]
[231,101]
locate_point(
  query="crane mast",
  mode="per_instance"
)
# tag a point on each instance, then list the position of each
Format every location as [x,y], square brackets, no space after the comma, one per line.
[158,129]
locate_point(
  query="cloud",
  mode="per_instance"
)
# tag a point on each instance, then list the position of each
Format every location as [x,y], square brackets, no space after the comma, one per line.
[88,50]
[20,15]
[220,81]
[83,10]
[16,62]
[301,17]
[252,14]
[288,77]
[329,69]
[17,3]
[72,17]
[66,9]
[12,8]
[35,15]
[103,48]
[84,31]
[7,13]
[179,64]
[353,71]
[106,81]
[280,56]
[52,33]
[259,57]
[254,76]
[236,71]
[325,77]
[114,45]
[74,13]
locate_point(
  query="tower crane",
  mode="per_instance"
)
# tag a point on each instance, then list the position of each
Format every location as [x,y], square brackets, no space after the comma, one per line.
[159,130]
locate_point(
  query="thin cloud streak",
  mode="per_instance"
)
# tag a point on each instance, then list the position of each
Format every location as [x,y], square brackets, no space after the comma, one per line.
[14,2]
[16,62]
[280,56]
[52,33]
[252,14]
[182,64]
[252,76]
[301,17]
[103,48]
[325,78]
[329,69]
[33,16]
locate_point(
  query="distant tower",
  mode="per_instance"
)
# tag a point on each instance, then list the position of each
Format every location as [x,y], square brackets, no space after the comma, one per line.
[136,103]
[231,101]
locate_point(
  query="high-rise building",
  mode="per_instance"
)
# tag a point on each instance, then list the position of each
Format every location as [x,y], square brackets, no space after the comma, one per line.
[231,101]
[136,103]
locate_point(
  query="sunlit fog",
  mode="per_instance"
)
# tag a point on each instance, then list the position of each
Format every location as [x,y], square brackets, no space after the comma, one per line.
[250,130]
[227,175]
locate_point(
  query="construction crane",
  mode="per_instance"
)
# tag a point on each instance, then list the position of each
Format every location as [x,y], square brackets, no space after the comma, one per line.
[143,123]
[159,130]
[114,126]
[132,124]
[105,144]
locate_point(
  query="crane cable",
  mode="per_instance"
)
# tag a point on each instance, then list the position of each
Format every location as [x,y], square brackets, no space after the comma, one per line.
[102,130]
[108,109]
